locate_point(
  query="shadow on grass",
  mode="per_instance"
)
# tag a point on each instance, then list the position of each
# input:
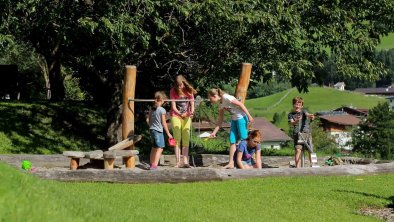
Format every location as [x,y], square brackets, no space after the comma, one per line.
[390,199]
[44,127]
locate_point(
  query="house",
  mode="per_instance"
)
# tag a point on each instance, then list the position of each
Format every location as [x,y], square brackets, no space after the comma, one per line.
[388,91]
[390,100]
[338,124]
[340,86]
[273,137]
[353,111]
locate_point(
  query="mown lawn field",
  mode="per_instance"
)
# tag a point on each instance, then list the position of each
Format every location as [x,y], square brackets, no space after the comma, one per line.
[387,42]
[334,198]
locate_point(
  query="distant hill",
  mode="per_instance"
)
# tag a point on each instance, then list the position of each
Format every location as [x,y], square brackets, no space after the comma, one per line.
[317,99]
[387,42]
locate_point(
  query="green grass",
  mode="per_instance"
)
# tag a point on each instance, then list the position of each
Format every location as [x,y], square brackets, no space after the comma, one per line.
[317,99]
[387,42]
[335,198]
[44,127]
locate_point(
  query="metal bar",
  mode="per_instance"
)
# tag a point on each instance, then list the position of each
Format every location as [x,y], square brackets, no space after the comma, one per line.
[167,100]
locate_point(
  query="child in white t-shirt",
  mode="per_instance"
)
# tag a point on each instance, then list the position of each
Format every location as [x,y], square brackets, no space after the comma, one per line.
[240,117]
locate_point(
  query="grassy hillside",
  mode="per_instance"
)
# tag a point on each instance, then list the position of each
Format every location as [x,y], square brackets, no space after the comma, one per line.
[44,127]
[317,99]
[387,42]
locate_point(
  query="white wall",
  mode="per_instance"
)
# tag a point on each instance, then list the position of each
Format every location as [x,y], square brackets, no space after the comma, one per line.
[342,139]
[271,145]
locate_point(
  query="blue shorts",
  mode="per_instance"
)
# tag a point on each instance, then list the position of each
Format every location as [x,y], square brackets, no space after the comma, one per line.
[239,129]
[157,139]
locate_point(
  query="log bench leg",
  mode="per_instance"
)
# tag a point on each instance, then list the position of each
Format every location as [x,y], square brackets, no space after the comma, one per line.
[74,164]
[129,162]
[109,163]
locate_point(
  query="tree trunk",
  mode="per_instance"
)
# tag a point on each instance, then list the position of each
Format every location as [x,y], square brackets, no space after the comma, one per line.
[56,84]
[44,70]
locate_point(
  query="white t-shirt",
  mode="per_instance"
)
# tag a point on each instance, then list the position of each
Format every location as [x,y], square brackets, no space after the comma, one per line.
[236,111]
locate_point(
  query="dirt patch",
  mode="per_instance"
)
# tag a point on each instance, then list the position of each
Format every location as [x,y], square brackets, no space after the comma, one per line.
[386,214]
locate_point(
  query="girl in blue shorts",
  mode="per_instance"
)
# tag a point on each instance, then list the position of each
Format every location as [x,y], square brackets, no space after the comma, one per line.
[240,117]
[157,123]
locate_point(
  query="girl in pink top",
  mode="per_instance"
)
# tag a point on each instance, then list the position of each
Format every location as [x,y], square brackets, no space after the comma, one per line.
[181,117]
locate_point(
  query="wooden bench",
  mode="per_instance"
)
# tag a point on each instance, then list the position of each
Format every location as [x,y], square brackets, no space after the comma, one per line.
[98,155]
[108,156]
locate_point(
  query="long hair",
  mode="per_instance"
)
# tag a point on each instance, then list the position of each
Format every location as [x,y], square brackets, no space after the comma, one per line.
[216,91]
[188,87]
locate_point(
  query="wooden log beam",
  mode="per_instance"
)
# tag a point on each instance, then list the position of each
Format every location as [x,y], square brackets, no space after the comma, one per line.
[243,82]
[208,174]
[128,142]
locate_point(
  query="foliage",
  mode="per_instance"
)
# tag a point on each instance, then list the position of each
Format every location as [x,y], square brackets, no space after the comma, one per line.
[72,87]
[262,89]
[328,74]
[27,198]
[387,58]
[277,118]
[375,135]
[218,145]
[205,40]
[322,141]
[31,82]
[285,151]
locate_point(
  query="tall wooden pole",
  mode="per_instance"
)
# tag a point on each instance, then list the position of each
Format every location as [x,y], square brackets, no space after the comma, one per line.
[128,109]
[243,81]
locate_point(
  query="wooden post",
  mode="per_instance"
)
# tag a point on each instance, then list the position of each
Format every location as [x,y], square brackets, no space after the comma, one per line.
[128,109]
[74,164]
[243,81]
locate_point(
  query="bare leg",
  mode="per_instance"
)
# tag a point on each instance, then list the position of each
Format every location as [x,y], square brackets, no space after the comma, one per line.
[156,156]
[151,156]
[185,153]
[297,156]
[177,156]
[230,164]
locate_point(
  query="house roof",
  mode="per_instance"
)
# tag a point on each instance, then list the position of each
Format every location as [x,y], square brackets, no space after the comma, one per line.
[339,84]
[270,131]
[380,91]
[353,111]
[346,119]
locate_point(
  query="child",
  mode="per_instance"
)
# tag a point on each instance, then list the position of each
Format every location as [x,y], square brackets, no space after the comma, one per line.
[300,120]
[239,119]
[157,122]
[243,157]
[181,117]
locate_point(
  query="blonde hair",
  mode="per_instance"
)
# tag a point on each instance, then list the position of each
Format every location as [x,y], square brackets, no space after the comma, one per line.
[298,99]
[255,133]
[160,96]
[214,92]
[189,88]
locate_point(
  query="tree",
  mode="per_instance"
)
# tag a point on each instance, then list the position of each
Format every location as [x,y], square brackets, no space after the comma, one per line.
[375,135]
[205,40]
